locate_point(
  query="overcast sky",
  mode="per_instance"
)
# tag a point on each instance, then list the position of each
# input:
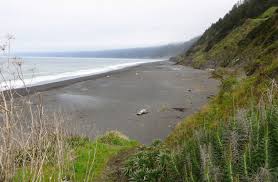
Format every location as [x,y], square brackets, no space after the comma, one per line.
[61,25]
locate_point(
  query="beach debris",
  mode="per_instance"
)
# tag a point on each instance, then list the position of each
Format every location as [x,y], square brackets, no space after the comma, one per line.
[108,76]
[210,96]
[189,90]
[137,73]
[180,109]
[142,112]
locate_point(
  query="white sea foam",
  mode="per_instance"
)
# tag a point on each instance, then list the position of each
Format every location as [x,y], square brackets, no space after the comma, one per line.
[41,80]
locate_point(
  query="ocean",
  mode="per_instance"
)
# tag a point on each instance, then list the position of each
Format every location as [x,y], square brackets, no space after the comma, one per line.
[34,71]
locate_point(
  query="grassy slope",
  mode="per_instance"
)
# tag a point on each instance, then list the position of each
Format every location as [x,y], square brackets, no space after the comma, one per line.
[88,158]
[253,43]
[232,138]
[231,52]
[236,92]
[104,151]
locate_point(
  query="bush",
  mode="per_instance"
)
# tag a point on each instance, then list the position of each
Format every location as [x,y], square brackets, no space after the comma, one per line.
[154,163]
[113,138]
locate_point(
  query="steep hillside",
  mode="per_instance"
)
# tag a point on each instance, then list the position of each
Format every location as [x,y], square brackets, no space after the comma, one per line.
[242,11]
[252,44]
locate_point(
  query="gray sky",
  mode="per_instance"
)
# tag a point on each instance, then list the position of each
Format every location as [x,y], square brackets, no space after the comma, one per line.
[59,25]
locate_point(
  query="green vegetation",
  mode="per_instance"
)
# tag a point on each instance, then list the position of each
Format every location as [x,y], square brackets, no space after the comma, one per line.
[87,158]
[95,155]
[153,163]
[269,12]
[251,44]
[241,12]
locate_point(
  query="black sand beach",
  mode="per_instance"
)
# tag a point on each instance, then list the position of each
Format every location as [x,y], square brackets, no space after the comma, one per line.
[94,105]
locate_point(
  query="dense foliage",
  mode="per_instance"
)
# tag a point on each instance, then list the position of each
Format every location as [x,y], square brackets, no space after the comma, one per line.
[236,17]
[251,47]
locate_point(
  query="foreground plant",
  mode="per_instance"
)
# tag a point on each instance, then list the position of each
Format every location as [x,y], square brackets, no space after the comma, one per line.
[153,163]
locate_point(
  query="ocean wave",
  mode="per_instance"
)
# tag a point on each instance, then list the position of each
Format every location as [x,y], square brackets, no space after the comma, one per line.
[41,80]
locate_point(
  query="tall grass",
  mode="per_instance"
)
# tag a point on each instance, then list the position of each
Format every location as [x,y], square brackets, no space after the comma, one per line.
[31,140]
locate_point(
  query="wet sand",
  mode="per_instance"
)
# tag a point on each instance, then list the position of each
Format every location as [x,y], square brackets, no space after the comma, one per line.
[111,101]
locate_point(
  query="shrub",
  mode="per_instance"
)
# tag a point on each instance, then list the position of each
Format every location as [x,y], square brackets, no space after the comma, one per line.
[114,138]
